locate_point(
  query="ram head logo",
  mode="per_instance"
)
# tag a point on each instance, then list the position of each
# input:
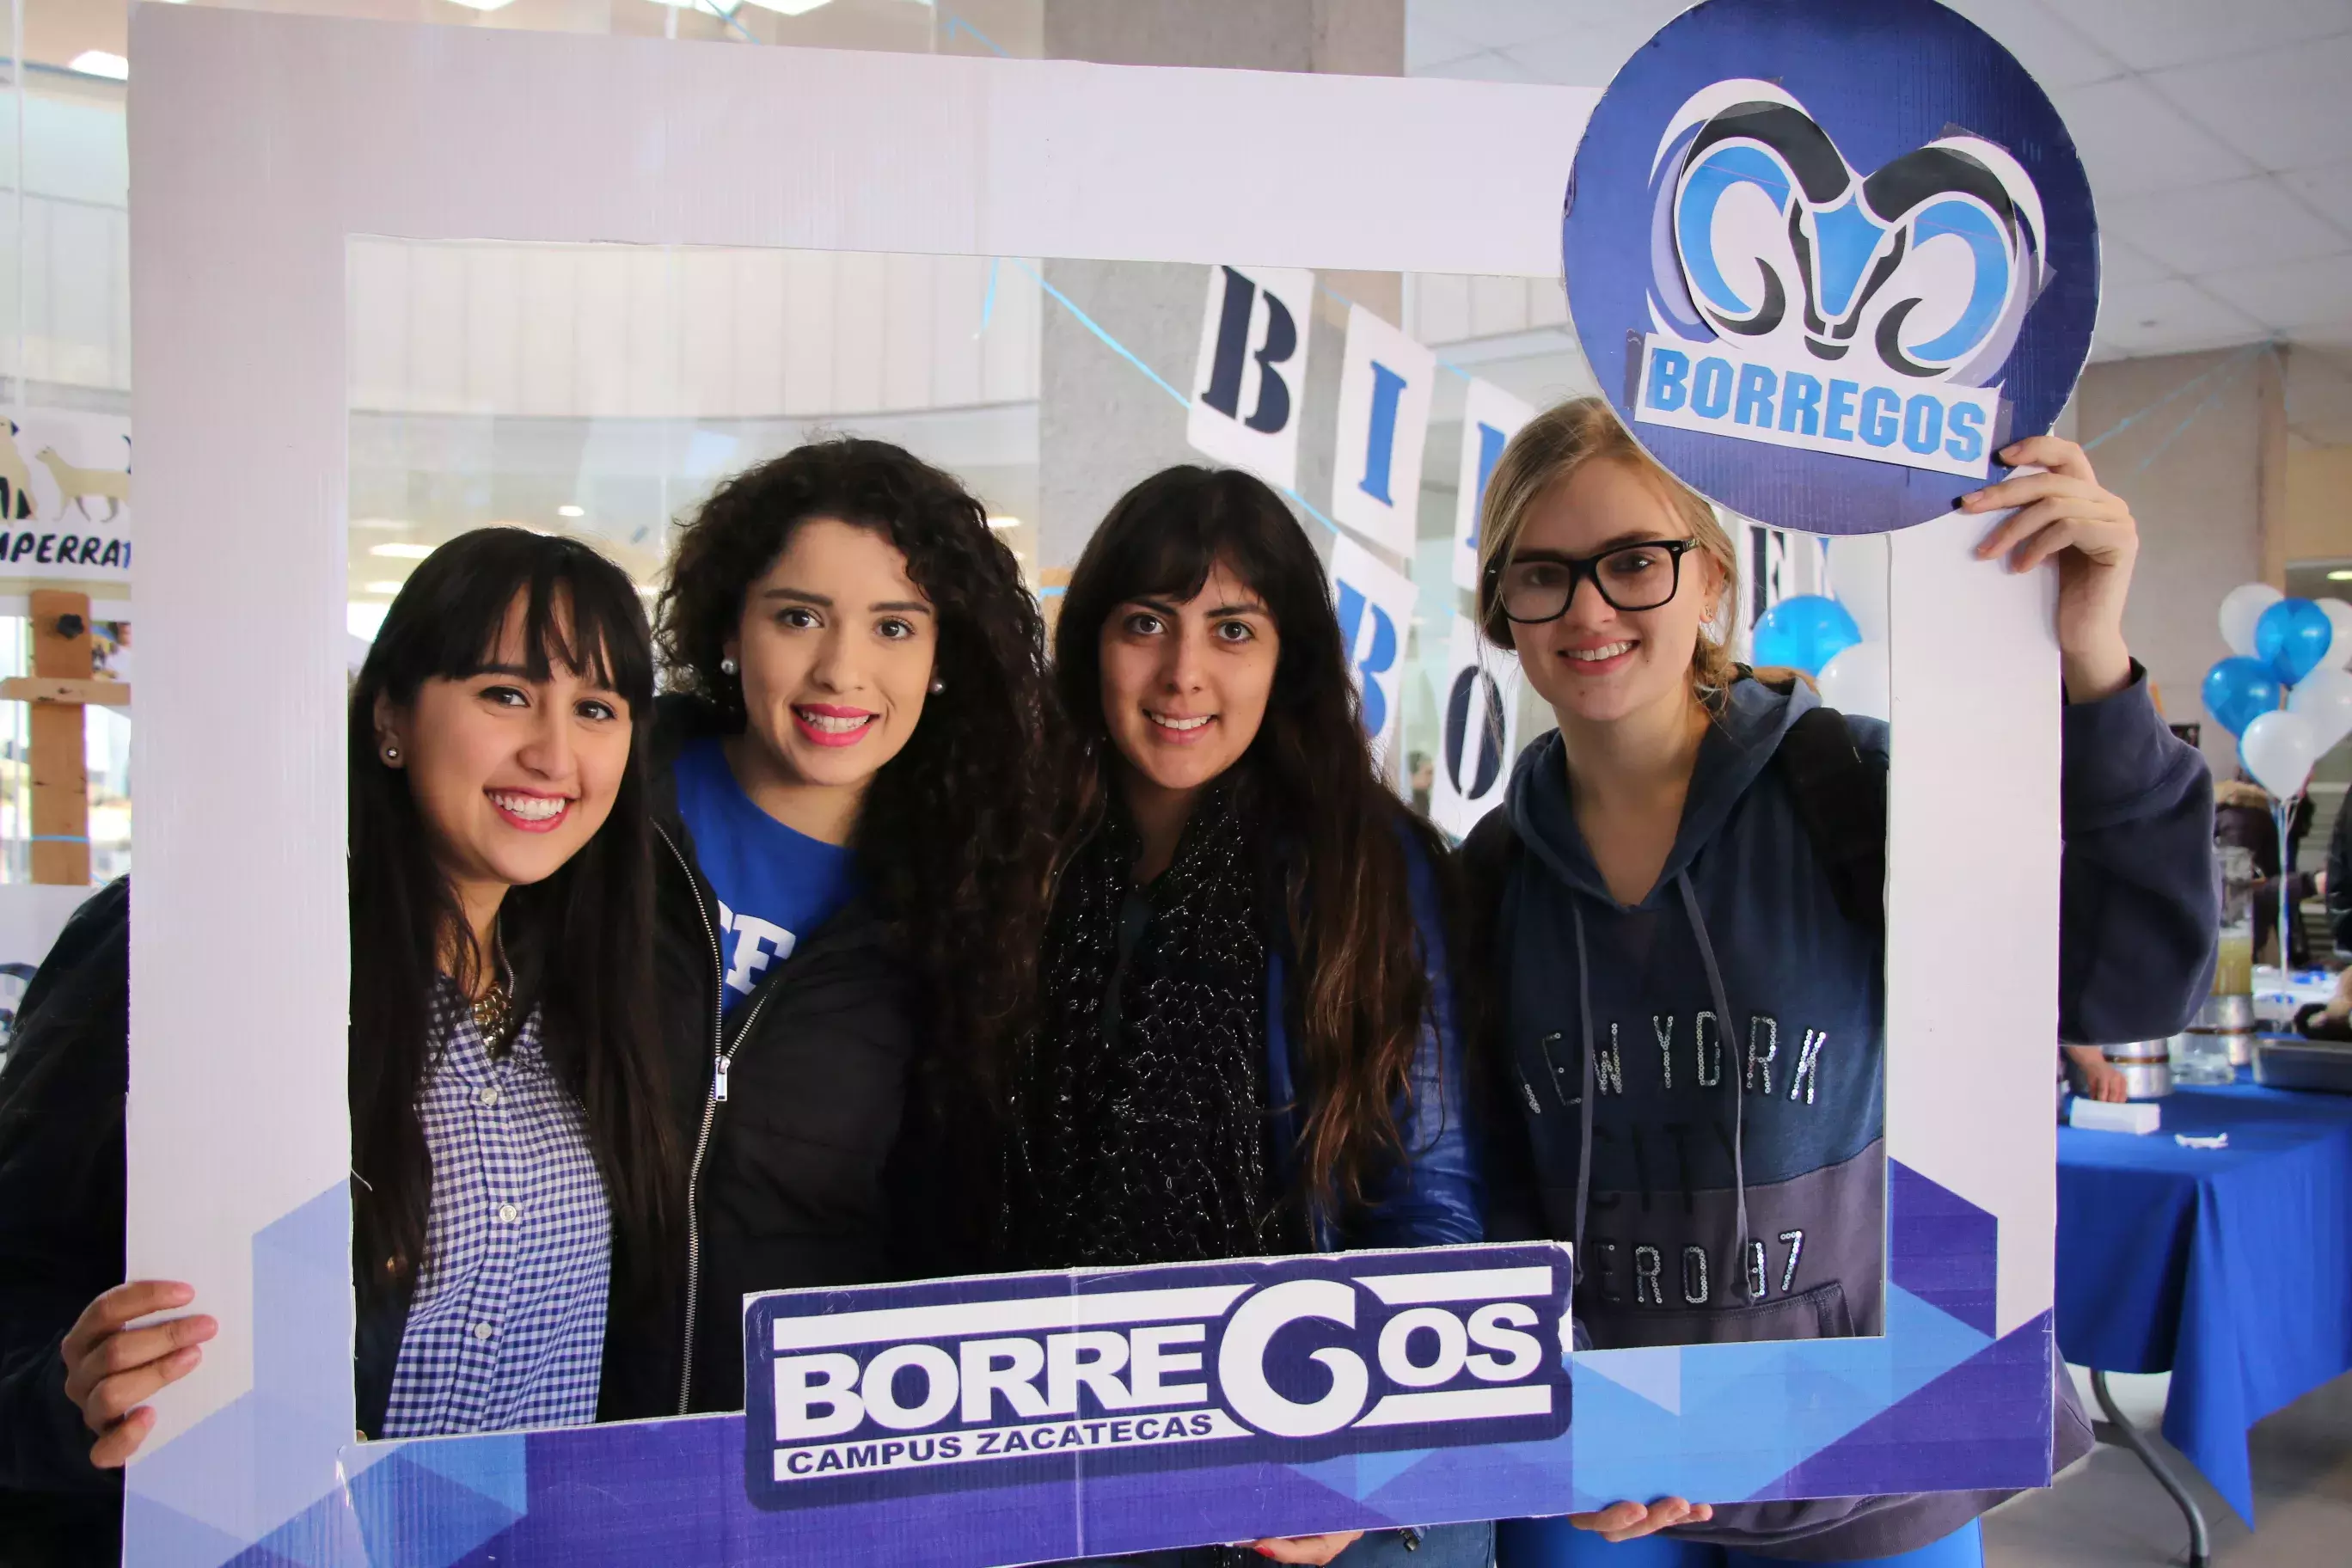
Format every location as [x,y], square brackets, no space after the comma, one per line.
[1764,236]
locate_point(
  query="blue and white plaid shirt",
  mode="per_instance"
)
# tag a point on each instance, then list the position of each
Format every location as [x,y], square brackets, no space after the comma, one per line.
[507,1327]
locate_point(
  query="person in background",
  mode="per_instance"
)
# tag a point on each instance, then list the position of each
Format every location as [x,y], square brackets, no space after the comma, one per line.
[2242,817]
[2094,1076]
[1682,939]
[1421,778]
[504,1061]
[853,805]
[2334,884]
[1246,1042]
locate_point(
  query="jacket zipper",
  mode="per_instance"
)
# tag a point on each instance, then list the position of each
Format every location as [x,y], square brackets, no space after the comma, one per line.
[721,1054]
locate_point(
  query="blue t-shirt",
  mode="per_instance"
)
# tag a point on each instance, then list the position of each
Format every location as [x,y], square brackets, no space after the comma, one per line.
[775,885]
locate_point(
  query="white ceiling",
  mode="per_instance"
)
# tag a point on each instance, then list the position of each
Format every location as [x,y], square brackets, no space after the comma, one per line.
[2217,137]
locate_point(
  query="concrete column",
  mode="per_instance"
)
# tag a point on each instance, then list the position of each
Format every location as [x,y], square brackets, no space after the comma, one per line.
[1102,424]
[2194,470]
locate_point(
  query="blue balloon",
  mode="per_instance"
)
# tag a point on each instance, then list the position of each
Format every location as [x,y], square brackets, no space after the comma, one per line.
[2291,637]
[2240,690]
[1805,633]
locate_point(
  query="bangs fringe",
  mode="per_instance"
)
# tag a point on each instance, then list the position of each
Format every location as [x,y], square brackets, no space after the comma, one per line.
[581,613]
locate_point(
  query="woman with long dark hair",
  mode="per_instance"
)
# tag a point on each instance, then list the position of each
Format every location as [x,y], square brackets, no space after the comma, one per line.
[854,804]
[1245,1040]
[504,1064]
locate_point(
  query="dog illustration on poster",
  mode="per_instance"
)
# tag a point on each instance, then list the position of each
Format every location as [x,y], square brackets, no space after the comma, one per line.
[79,487]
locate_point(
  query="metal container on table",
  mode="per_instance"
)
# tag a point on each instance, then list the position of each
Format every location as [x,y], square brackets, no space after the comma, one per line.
[2146,1067]
[2323,1064]
[2231,1017]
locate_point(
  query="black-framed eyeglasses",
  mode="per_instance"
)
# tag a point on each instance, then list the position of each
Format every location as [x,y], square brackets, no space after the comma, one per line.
[1539,586]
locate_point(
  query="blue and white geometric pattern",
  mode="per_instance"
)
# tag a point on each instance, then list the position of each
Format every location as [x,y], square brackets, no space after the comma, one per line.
[1937,1402]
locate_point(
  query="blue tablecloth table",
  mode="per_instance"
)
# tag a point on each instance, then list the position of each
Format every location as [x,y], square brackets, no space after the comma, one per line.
[2231,1269]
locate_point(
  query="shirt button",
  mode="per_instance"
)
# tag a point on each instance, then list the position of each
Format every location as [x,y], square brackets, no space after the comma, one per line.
[487,1095]
[483,1331]
[508,1214]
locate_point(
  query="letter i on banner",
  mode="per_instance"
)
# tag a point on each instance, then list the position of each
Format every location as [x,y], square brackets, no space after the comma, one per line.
[1385,384]
[1490,417]
[1481,734]
[1374,601]
[1252,370]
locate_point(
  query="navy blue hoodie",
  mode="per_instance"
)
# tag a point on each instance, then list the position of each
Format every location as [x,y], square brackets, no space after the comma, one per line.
[1718,1048]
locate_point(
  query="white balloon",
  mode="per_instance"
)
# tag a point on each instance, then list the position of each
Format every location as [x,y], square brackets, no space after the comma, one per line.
[2339,619]
[2240,608]
[1858,581]
[1856,681]
[2279,749]
[2324,698]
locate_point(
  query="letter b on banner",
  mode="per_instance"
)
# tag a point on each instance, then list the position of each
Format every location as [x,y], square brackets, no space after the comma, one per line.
[1252,370]
[1374,604]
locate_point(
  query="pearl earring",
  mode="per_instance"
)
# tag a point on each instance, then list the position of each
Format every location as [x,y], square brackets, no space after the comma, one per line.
[727,667]
[938,686]
[391,754]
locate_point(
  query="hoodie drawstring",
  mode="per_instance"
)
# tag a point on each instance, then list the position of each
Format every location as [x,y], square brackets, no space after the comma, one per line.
[1727,1031]
[1585,1096]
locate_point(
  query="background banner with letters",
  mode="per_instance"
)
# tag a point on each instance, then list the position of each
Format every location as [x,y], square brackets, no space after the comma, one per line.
[1252,370]
[65,500]
[1481,735]
[1374,601]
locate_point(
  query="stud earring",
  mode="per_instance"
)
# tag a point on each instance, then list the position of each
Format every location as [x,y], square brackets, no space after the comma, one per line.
[391,754]
[938,686]
[727,667]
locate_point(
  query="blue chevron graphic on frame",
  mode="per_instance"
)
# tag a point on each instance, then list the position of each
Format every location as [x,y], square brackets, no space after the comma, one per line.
[1749,1415]
[1935,1400]
[259,1464]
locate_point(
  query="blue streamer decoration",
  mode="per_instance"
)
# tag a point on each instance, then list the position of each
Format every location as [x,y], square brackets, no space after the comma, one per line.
[956,24]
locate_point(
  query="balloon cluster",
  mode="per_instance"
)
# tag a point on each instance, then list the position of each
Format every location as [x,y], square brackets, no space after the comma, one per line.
[1818,635]
[2281,693]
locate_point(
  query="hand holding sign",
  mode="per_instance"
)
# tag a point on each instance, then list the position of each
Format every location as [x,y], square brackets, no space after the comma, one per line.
[1813,301]
[2062,512]
[1315,1549]
[1632,1521]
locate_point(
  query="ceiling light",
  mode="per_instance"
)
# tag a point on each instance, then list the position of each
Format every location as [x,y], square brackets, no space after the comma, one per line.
[716,7]
[482,4]
[1003,522]
[789,7]
[570,511]
[98,62]
[380,587]
[402,551]
[2341,576]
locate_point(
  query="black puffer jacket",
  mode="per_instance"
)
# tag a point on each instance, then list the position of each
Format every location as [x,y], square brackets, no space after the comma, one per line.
[800,1175]
[61,1232]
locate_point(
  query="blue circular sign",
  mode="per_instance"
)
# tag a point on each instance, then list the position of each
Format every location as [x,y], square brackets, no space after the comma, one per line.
[1827,258]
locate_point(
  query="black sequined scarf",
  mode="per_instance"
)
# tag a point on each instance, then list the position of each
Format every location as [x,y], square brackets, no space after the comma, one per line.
[1148,1143]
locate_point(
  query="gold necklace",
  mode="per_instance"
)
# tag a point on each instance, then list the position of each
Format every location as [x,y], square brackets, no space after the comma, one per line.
[494,1015]
[494,1009]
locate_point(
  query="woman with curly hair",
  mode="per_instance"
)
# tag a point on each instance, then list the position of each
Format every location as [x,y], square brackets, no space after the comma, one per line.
[856,829]
[1246,1041]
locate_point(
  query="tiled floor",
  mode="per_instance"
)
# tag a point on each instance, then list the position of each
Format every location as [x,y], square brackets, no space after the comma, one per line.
[2108,1511]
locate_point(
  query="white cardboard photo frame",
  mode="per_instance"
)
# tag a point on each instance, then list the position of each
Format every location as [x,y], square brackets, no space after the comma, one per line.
[261,144]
